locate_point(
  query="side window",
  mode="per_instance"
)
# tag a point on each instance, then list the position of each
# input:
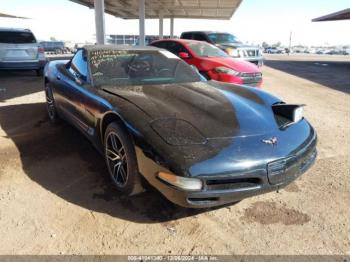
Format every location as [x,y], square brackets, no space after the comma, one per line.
[186,36]
[199,37]
[78,65]
[176,48]
[160,45]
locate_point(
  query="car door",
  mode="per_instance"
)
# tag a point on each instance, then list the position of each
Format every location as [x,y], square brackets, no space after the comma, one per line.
[85,104]
[72,86]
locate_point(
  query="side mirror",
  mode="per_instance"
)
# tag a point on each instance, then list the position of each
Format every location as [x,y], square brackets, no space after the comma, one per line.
[184,55]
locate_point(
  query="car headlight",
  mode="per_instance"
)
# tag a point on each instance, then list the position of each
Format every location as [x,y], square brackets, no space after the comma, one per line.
[185,183]
[232,52]
[226,70]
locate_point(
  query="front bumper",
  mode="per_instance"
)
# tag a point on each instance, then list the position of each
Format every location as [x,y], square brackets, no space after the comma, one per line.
[22,65]
[239,80]
[221,190]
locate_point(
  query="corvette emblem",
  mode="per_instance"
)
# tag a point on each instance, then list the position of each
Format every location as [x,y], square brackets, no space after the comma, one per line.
[271,141]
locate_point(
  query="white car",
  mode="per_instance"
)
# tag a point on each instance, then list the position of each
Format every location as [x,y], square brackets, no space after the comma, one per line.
[19,50]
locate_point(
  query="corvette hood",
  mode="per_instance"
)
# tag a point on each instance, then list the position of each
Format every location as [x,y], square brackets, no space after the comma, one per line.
[209,109]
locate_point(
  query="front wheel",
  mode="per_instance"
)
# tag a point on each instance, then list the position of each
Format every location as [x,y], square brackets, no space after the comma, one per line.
[121,160]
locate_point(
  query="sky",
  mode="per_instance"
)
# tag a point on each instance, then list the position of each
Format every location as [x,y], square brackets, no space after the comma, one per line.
[255,21]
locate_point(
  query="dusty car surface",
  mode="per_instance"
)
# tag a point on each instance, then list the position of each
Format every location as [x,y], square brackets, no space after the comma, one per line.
[200,143]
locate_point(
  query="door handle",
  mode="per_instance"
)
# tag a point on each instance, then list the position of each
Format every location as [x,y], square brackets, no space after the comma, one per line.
[58,77]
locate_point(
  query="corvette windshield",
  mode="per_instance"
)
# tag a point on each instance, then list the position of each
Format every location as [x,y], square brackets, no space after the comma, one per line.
[138,67]
[220,38]
[203,49]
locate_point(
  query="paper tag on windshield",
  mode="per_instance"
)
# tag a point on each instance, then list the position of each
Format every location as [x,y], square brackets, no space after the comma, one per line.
[168,54]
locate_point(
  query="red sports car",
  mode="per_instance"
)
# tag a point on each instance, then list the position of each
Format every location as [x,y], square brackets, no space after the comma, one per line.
[212,62]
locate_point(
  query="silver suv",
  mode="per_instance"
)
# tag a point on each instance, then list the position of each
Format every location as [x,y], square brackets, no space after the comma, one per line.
[19,50]
[228,43]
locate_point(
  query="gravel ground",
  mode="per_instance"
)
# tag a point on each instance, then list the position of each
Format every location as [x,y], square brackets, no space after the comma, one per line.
[55,197]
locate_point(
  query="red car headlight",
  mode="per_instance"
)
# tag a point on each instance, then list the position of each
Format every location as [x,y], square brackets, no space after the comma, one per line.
[226,70]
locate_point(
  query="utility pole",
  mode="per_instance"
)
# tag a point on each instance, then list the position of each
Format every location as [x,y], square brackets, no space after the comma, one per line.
[290,42]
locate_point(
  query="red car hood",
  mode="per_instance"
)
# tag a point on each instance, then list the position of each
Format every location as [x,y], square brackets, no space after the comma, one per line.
[239,65]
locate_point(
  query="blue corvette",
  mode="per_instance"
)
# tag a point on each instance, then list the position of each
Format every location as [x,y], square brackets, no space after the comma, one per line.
[153,118]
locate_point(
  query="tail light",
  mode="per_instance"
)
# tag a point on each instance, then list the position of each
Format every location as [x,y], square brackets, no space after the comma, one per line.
[41,50]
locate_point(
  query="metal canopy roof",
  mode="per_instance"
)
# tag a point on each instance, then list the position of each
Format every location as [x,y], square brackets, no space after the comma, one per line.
[11,16]
[205,9]
[341,15]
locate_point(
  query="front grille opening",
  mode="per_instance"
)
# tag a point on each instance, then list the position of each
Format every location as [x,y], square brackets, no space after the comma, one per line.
[232,183]
[252,180]
[258,75]
[202,200]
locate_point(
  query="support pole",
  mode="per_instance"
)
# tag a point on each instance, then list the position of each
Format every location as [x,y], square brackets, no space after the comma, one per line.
[160,24]
[100,21]
[290,42]
[142,22]
[172,27]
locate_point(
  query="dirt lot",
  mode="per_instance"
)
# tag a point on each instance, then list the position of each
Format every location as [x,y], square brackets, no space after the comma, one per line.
[55,197]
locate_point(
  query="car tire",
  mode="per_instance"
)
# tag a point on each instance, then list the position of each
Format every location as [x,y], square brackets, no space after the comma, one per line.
[121,160]
[50,105]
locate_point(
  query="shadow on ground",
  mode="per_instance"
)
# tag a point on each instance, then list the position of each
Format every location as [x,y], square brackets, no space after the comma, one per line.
[62,161]
[18,83]
[332,74]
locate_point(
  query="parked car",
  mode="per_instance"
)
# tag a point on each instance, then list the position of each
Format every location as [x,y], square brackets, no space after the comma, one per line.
[212,62]
[200,143]
[56,47]
[312,51]
[320,52]
[272,50]
[276,50]
[70,46]
[19,50]
[334,52]
[228,43]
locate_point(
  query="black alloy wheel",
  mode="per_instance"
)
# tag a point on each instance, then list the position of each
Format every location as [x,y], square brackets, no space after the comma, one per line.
[121,159]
